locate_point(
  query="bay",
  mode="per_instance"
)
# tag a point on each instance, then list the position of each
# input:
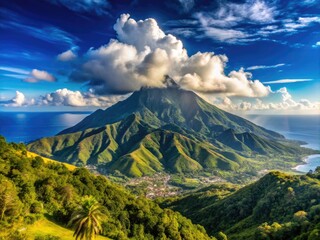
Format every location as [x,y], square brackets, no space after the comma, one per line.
[304,128]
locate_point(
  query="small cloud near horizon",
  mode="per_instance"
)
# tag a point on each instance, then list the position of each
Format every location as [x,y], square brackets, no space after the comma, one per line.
[266,66]
[293,80]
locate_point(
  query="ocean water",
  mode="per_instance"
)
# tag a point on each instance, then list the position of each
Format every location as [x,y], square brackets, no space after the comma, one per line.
[27,126]
[305,128]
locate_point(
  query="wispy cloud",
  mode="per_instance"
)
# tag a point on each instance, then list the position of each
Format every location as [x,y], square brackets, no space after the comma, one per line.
[17,76]
[185,32]
[181,23]
[227,35]
[231,14]
[266,66]
[21,54]
[224,23]
[292,80]
[187,5]
[309,2]
[227,22]
[46,33]
[32,76]
[14,70]
[291,25]
[98,7]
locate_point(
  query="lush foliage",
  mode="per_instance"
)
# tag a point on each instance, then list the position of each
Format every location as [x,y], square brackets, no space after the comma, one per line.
[87,219]
[31,189]
[278,206]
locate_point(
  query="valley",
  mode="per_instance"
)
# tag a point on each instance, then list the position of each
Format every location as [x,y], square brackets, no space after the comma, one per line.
[166,185]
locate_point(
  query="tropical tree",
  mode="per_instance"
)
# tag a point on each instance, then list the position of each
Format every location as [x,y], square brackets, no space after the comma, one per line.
[87,219]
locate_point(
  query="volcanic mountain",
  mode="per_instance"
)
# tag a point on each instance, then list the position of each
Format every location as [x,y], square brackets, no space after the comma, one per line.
[168,130]
[174,106]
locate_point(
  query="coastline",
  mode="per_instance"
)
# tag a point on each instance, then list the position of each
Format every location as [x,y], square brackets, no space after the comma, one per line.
[301,167]
[304,130]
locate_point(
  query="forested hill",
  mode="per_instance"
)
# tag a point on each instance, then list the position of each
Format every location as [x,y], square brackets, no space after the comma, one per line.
[278,206]
[31,190]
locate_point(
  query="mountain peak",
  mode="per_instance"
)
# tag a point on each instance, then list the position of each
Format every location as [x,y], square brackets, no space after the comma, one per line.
[173,105]
[170,83]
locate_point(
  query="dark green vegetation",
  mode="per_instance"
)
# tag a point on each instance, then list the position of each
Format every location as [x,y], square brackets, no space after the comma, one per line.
[278,206]
[170,130]
[31,189]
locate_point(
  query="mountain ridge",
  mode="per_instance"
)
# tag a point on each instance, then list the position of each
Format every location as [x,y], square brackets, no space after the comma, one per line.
[178,106]
[171,130]
[101,145]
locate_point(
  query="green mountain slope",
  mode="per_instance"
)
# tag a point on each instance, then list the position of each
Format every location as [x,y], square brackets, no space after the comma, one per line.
[31,189]
[250,142]
[135,149]
[184,108]
[292,201]
[171,130]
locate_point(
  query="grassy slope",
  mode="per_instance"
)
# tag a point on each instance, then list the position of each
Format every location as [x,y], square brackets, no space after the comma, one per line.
[44,227]
[48,160]
[57,192]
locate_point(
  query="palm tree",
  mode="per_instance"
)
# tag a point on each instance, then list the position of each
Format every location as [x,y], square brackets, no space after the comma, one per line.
[87,219]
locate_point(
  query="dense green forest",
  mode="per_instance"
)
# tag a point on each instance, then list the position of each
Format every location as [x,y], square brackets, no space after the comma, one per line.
[31,190]
[39,194]
[278,206]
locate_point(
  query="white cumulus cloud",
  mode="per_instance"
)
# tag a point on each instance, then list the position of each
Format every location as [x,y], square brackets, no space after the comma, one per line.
[66,97]
[66,56]
[286,104]
[39,75]
[317,44]
[143,54]
[18,100]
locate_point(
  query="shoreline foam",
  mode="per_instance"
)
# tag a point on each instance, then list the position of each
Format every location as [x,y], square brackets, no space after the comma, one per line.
[306,160]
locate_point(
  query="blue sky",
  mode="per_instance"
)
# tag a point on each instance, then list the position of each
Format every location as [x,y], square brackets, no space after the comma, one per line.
[250,56]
